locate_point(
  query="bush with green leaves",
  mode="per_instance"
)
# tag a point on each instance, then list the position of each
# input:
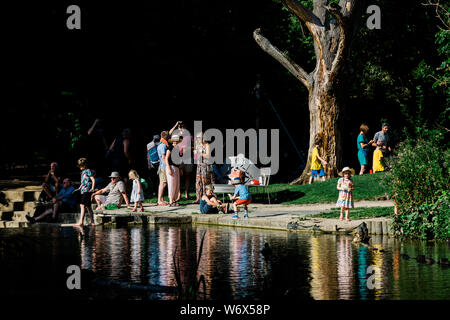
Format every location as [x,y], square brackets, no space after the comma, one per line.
[418,181]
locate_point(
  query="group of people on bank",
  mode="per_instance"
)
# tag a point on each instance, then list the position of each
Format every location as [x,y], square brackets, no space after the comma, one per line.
[381,143]
[163,153]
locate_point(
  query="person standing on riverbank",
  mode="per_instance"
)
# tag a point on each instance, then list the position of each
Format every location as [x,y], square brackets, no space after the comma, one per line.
[378,158]
[363,148]
[137,194]
[317,163]
[87,186]
[345,186]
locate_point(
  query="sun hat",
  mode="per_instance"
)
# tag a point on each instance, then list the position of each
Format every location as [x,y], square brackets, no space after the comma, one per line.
[236,180]
[175,138]
[114,174]
[352,172]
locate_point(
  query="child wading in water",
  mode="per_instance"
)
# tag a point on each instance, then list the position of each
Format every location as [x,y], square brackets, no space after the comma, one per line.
[345,186]
[244,196]
[137,194]
[87,186]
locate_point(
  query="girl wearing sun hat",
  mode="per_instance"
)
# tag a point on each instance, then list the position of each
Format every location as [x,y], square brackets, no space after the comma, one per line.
[345,186]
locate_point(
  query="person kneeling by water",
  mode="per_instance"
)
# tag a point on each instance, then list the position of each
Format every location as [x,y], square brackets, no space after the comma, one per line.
[209,202]
[244,196]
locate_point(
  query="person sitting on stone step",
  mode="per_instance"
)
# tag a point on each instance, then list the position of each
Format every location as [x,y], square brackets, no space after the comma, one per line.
[64,201]
[51,183]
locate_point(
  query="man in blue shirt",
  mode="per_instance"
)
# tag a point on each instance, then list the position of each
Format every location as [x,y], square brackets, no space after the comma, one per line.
[64,201]
[162,151]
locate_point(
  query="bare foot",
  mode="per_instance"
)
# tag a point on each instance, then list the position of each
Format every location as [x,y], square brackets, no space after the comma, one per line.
[341,218]
[347,219]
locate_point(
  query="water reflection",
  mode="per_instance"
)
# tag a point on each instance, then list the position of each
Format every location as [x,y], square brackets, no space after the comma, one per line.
[302,266]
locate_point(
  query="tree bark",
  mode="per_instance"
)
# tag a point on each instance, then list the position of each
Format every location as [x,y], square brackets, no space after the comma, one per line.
[331,28]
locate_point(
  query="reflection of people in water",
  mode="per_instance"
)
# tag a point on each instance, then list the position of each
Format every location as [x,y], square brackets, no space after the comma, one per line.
[363,263]
[345,267]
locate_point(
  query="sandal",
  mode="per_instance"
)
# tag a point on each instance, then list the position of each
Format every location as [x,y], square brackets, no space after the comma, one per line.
[348,220]
[141,210]
[163,204]
[134,210]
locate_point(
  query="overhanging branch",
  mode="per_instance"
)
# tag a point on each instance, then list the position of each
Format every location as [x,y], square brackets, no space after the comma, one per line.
[282,58]
[342,16]
[303,13]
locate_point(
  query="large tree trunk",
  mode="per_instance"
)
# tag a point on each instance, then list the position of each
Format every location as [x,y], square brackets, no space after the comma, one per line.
[331,41]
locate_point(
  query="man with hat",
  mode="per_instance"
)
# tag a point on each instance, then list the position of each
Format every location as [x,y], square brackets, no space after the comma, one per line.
[116,189]
[382,136]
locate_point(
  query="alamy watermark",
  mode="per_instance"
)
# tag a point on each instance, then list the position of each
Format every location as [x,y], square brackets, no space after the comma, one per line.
[374,280]
[74,280]
[74,20]
[251,144]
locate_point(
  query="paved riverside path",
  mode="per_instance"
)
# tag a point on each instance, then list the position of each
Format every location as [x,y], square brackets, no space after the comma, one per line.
[274,216]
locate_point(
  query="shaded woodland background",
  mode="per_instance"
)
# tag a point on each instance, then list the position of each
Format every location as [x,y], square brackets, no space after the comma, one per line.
[146,64]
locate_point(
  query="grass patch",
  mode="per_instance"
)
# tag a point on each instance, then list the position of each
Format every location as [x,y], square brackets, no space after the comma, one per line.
[367,187]
[358,213]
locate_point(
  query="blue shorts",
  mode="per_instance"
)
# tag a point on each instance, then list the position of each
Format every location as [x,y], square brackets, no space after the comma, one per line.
[315,173]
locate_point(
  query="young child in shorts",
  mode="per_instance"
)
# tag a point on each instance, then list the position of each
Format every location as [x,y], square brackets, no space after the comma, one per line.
[242,195]
[317,163]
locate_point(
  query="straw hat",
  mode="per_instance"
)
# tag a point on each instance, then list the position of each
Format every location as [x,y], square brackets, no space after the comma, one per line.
[175,138]
[352,172]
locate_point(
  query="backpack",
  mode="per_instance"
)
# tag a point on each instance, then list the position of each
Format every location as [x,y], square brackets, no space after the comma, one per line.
[152,155]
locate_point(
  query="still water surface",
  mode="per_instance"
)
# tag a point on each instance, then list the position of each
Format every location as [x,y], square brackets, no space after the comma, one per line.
[302,266]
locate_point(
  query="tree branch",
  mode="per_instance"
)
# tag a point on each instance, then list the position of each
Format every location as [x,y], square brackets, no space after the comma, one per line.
[342,15]
[304,14]
[282,58]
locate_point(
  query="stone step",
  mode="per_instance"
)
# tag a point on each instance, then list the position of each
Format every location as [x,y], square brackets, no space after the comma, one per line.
[6,215]
[20,216]
[18,206]
[22,194]
[14,224]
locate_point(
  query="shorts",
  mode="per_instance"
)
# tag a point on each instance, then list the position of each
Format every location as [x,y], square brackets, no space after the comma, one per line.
[186,167]
[315,173]
[243,201]
[86,199]
[162,175]
[104,200]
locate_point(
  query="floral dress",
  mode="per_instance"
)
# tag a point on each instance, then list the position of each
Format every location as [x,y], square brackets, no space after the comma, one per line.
[345,199]
[205,175]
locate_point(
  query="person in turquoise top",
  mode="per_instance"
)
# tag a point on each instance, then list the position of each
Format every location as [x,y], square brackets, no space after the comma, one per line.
[363,148]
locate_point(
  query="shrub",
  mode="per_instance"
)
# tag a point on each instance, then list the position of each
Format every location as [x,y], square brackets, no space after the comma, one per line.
[419,182]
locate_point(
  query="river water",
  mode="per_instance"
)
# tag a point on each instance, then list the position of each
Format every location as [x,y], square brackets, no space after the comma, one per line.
[301,266]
